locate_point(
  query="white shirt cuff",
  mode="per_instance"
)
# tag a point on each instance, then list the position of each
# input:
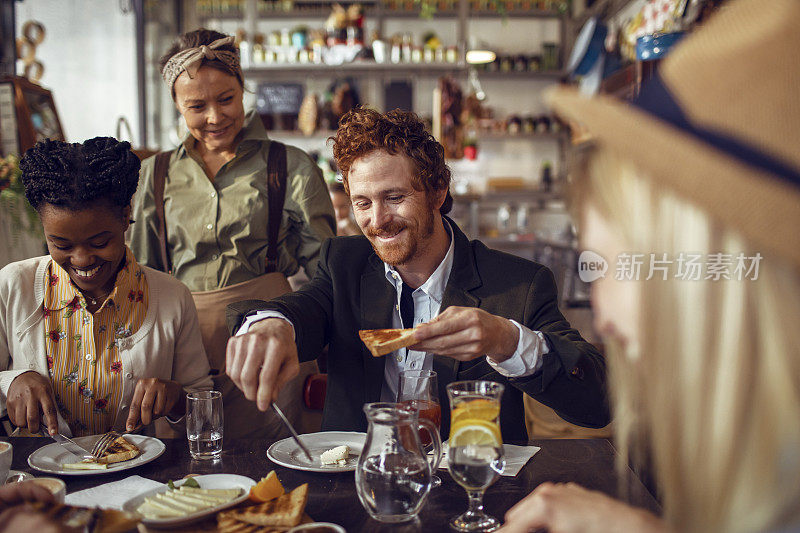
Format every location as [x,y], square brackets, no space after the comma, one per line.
[259,316]
[527,359]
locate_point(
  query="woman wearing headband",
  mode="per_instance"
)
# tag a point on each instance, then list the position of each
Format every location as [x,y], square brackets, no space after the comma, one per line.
[230,213]
[88,337]
[701,170]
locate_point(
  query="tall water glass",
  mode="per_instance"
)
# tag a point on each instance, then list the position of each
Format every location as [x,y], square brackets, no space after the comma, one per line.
[204,424]
[419,390]
[475,454]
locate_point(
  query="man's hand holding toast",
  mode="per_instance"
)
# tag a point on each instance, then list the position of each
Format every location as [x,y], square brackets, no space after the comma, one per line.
[466,333]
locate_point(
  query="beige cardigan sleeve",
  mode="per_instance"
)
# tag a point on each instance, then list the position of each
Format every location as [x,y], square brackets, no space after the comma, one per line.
[18,310]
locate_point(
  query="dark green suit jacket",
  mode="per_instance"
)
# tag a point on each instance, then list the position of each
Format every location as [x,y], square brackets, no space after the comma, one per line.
[350,292]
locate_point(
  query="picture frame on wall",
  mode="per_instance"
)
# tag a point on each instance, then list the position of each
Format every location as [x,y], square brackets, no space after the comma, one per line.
[27,115]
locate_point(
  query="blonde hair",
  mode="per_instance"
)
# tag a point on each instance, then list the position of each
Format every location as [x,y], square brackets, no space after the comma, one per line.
[713,392]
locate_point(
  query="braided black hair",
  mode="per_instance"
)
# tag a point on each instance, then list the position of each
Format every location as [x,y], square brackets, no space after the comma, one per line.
[76,176]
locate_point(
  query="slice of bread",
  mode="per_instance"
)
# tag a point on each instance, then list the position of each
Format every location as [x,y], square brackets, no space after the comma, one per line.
[119,450]
[285,510]
[383,341]
[227,524]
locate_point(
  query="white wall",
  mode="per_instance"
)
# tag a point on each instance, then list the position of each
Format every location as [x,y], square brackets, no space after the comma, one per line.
[89,56]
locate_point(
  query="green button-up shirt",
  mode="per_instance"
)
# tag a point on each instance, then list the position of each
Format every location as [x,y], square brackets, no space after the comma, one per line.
[217,230]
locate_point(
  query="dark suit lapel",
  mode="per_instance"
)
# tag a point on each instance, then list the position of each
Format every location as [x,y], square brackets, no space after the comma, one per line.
[377,304]
[463,279]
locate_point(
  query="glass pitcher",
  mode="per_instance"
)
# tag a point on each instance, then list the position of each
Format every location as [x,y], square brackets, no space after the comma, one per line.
[393,474]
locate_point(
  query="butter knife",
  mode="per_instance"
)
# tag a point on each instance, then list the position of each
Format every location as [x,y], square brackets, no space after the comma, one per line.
[71,446]
[295,436]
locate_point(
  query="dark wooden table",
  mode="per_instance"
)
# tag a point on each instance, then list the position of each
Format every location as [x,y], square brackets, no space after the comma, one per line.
[332,497]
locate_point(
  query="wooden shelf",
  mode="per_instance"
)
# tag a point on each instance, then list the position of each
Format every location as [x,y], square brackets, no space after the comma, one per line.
[500,196]
[389,69]
[524,75]
[503,136]
[507,242]
[372,10]
[364,67]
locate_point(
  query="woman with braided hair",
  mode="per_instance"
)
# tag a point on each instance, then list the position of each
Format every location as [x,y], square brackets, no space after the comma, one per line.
[91,341]
[230,212]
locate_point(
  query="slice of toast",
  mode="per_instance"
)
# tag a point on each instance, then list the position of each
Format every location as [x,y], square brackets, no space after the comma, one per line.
[119,450]
[383,341]
[231,525]
[285,510]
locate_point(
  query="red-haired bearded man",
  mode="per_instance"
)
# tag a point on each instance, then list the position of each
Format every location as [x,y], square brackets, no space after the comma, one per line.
[484,314]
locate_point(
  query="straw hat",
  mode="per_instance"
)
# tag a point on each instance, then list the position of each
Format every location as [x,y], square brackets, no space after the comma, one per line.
[720,123]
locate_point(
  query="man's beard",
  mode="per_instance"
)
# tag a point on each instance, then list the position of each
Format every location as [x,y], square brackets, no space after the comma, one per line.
[404,251]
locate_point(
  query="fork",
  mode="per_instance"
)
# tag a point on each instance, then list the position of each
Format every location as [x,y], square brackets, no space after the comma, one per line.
[102,445]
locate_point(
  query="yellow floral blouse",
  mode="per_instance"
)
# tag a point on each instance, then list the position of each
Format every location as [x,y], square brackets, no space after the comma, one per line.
[82,355]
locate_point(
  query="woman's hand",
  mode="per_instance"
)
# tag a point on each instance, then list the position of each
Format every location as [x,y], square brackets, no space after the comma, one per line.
[153,398]
[568,508]
[29,395]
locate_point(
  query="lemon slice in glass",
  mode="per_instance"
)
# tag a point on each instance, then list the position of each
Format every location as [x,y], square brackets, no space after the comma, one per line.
[475,409]
[476,432]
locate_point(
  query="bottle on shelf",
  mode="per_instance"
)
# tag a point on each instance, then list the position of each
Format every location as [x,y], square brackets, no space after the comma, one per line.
[547,176]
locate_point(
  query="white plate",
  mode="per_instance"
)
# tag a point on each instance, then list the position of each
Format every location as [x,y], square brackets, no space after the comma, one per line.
[209,481]
[287,453]
[49,458]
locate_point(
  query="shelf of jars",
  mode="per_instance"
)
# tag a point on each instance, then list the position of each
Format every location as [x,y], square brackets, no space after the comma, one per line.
[267,71]
[234,9]
[507,136]
[359,67]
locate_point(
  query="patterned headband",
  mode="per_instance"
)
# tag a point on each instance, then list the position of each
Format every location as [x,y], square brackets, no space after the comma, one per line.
[191,59]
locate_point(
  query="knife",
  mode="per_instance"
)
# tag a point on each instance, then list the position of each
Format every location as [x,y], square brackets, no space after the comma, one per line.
[295,436]
[72,447]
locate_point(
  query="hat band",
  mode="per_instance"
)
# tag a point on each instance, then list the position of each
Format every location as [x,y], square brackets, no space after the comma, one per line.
[656,99]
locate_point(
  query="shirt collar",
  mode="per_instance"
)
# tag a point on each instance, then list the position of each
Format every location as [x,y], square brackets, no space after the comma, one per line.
[434,286]
[60,292]
[253,132]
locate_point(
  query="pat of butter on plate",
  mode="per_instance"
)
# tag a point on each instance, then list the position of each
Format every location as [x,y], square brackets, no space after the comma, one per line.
[336,455]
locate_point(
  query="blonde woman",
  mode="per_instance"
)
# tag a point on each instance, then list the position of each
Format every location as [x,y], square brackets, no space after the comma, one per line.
[706,365]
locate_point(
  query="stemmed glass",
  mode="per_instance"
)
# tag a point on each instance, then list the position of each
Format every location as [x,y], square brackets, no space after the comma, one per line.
[475,454]
[419,390]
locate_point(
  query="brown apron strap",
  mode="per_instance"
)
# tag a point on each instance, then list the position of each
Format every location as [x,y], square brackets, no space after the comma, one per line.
[276,186]
[159,181]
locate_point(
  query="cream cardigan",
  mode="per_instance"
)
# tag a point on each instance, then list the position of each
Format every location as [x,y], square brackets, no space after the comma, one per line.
[168,345]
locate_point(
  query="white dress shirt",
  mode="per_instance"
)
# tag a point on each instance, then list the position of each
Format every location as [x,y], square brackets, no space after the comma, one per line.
[526,360]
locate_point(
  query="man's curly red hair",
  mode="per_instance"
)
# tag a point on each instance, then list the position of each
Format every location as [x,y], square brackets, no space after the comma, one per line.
[362,131]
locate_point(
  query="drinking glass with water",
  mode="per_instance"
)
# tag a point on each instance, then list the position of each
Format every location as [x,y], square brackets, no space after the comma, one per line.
[204,424]
[475,453]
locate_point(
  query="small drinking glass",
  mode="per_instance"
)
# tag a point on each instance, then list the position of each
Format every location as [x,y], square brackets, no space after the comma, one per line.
[475,454]
[419,390]
[204,424]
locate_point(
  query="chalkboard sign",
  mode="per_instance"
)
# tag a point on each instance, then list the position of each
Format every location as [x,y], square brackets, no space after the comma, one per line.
[280,98]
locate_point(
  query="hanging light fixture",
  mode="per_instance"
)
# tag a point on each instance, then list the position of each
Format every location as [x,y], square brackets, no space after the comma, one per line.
[479,53]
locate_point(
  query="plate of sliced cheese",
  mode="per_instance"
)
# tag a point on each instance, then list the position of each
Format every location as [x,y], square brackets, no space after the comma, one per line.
[169,507]
[131,451]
